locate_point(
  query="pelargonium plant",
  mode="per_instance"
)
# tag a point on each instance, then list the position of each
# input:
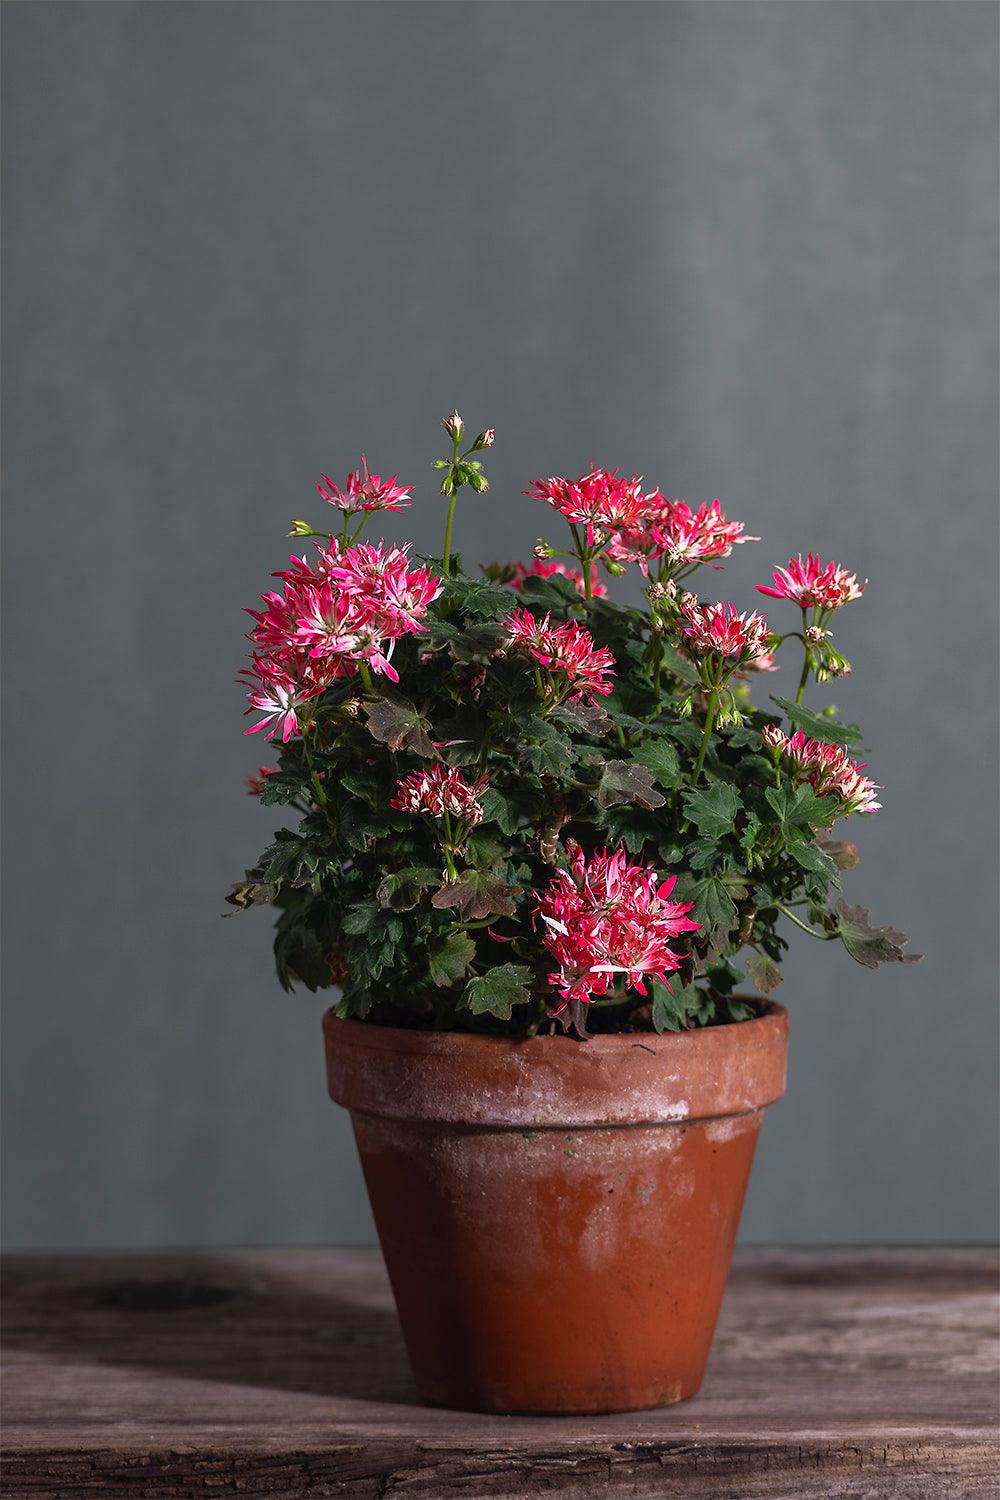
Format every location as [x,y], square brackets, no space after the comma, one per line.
[522,804]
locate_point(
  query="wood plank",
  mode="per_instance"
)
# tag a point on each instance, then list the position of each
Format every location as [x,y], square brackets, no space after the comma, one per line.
[834,1373]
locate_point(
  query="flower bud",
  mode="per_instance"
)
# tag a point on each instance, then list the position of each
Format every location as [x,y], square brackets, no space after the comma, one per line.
[485,439]
[655,592]
[684,707]
[815,635]
[301,528]
[453,426]
[773,738]
[352,707]
[541,550]
[616,569]
[478,481]
[689,601]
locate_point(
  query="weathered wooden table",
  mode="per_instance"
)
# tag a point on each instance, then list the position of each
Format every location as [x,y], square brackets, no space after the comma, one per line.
[834,1373]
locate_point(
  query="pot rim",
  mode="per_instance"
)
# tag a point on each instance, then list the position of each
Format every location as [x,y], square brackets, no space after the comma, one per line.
[539,1082]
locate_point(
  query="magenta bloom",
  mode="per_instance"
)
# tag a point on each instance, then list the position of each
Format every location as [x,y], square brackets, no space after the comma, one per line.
[335,612]
[828,769]
[364,491]
[275,693]
[576,667]
[255,784]
[546,567]
[606,916]
[439,790]
[602,500]
[671,529]
[721,630]
[812,583]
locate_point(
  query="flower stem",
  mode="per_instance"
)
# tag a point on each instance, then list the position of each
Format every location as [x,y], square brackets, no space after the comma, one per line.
[805,665]
[447,532]
[713,703]
[822,937]
[366,676]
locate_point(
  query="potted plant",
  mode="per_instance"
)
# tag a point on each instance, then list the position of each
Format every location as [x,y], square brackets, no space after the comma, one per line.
[542,839]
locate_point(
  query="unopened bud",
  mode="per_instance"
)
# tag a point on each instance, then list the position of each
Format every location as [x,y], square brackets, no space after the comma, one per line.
[541,550]
[485,439]
[655,592]
[689,601]
[301,528]
[616,569]
[453,426]
[684,708]
[773,737]
[478,481]
[815,635]
[351,707]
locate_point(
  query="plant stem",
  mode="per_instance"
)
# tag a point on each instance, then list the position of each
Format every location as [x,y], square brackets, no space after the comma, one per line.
[313,773]
[805,665]
[366,676]
[447,532]
[713,703]
[822,937]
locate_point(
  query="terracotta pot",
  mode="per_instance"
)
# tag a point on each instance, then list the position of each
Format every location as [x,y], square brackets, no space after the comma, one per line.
[557,1217]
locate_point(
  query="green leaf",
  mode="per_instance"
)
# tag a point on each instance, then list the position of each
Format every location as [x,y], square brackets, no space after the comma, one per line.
[496,992]
[713,810]
[672,1007]
[763,972]
[500,810]
[870,945]
[477,894]
[393,720]
[401,891]
[818,728]
[627,781]
[364,920]
[661,760]
[450,960]
[799,810]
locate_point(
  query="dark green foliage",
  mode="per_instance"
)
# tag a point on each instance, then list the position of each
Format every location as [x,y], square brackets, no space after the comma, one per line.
[368,901]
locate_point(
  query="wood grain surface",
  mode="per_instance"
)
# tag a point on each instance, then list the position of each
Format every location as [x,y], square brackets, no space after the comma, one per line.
[834,1373]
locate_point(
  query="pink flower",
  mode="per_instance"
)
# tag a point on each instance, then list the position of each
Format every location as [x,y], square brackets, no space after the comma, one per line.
[255,784]
[576,667]
[364,491]
[276,694]
[811,583]
[672,530]
[547,568]
[338,610]
[606,916]
[720,630]
[439,790]
[828,769]
[601,500]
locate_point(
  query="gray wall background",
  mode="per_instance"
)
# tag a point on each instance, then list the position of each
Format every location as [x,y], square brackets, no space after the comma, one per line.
[747,249]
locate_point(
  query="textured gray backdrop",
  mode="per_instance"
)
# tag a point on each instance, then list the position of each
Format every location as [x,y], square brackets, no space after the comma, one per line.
[747,249]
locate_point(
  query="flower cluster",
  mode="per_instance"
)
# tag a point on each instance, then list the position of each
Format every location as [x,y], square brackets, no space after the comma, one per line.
[543,567]
[337,615]
[364,492]
[547,750]
[607,916]
[720,630]
[441,789]
[828,769]
[814,584]
[672,531]
[575,666]
[602,500]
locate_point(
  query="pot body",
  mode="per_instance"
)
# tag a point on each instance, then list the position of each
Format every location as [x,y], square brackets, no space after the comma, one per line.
[557,1217]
